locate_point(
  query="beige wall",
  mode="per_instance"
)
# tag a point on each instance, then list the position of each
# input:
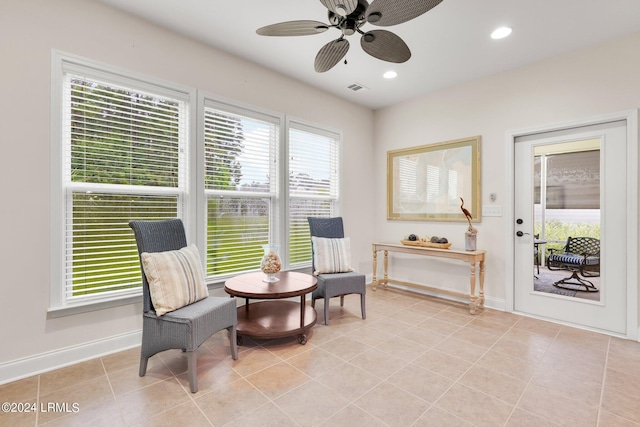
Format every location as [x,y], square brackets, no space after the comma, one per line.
[29,30]
[599,80]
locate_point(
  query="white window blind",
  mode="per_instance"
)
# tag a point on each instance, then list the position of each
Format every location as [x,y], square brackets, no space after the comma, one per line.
[313,184]
[122,150]
[123,158]
[241,186]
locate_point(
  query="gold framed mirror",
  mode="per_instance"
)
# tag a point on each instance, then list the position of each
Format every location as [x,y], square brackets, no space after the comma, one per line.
[426,183]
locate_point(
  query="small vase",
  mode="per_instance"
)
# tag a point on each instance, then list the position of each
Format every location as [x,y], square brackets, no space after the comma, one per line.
[470,241]
[270,264]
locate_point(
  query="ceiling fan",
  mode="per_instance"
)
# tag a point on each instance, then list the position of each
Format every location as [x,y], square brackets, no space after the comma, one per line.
[349,16]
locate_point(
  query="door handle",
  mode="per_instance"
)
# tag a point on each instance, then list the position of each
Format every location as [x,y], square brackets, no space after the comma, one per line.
[520,233]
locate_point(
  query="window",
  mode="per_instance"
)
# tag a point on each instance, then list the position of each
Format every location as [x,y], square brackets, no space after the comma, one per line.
[313,184]
[241,187]
[124,148]
[123,151]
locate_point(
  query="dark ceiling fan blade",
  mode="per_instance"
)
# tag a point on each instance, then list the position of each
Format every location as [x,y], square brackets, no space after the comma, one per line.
[340,7]
[293,28]
[331,54]
[385,45]
[385,13]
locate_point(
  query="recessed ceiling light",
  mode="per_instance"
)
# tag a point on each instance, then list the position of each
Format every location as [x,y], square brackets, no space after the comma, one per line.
[390,75]
[501,33]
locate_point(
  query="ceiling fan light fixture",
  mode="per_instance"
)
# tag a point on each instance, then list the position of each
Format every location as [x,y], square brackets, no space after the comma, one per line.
[341,10]
[374,17]
[348,27]
[368,37]
[500,33]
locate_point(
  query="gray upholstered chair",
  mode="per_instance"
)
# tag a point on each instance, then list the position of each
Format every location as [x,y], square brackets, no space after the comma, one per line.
[335,284]
[185,328]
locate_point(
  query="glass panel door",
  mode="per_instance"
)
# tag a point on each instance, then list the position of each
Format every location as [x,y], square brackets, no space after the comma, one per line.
[567,205]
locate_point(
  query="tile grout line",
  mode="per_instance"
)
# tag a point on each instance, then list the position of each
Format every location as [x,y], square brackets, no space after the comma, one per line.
[515,405]
[433,404]
[113,393]
[38,401]
[344,361]
[353,401]
[191,394]
[604,378]
[531,379]
[269,399]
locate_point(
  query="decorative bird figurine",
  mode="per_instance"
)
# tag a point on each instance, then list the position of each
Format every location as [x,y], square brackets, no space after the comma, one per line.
[468,215]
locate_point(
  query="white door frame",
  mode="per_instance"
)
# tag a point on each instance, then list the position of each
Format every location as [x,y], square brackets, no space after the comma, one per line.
[631,116]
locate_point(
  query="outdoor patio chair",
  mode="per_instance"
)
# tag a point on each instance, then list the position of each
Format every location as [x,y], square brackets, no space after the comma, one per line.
[581,256]
[187,327]
[333,284]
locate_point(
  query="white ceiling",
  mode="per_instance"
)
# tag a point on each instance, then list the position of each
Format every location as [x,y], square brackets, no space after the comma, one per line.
[450,44]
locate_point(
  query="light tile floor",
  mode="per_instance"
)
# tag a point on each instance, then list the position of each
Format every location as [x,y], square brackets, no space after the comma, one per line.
[415,361]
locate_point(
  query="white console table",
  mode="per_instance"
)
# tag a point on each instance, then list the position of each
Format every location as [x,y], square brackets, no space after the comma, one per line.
[476,302]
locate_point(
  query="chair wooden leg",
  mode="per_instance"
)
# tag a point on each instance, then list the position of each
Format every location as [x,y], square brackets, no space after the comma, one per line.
[143,366]
[341,300]
[362,307]
[233,339]
[192,368]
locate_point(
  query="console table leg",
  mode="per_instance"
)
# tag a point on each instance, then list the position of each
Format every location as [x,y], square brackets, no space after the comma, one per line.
[386,268]
[375,269]
[472,295]
[481,284]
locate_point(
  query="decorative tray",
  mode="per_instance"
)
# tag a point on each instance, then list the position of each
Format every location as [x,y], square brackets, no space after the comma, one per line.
[426,244]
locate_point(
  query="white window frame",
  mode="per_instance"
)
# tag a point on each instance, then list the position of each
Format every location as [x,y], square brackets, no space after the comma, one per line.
[193,197]
[60,188]
[207,100]
[336,210]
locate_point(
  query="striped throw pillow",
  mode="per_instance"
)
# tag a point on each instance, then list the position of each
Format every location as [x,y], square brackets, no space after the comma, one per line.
[331,255]
[175,278]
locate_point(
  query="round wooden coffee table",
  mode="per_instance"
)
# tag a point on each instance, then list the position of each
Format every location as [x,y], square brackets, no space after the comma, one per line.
[273,319]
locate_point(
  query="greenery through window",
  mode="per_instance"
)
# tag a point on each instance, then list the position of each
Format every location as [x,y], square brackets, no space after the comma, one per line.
[122,162]
[241,188]
[313,184]
[126,146]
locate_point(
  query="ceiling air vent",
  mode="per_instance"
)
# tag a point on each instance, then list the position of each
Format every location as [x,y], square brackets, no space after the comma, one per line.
[357,86]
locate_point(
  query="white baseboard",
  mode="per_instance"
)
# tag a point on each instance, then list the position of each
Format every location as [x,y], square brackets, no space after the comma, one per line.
[37,364]
[495,303]
[489,302]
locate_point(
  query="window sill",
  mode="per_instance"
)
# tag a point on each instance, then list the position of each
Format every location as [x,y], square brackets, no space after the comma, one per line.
[70,310]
